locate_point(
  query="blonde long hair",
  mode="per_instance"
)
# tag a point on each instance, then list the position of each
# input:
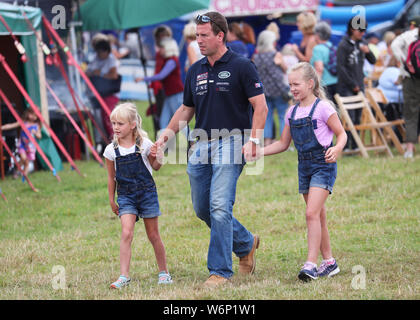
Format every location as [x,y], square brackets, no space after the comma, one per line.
[309,73]
[127,112]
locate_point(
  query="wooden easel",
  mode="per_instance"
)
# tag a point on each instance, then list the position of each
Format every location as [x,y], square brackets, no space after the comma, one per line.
[375,96]
[368,123]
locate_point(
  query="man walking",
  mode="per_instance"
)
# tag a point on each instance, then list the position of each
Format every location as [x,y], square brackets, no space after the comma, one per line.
[351,54]
[219,90]
[411,85]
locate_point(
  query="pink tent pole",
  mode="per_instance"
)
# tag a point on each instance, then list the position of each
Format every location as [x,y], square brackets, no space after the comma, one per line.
[47,53]
[79,131]
[38,113]
[17,44]
[102,134]
[31,138]
[73,62]
[79,112]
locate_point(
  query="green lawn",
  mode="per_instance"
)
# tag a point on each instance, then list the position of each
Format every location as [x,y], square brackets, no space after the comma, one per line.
[373,221]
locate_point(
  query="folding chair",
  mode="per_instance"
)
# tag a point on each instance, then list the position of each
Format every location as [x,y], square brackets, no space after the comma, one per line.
[367,123]
[375,96]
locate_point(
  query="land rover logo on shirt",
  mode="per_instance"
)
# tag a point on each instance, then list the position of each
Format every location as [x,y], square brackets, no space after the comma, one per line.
[224,74]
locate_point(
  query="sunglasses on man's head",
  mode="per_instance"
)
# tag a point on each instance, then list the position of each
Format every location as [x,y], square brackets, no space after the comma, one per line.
[206,19]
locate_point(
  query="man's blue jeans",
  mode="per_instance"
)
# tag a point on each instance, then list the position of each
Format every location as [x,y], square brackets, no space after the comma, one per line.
[214,168]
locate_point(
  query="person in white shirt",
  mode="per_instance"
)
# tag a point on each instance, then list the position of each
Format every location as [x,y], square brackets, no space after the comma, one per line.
[411,85]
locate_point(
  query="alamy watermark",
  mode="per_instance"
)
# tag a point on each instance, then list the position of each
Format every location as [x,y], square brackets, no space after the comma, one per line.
[59,20]
[359,280]
[359,20]
[222,146]
[58,282]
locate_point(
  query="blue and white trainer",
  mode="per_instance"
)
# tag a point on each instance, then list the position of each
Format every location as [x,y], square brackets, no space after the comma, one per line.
[328,269]
[164,278]
[308,272]
[121,282]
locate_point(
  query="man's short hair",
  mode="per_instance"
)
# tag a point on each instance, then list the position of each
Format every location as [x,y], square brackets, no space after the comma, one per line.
[217,21]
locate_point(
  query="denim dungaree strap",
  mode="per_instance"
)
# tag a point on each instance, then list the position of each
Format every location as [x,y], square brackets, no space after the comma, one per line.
[303,134]
[131,172]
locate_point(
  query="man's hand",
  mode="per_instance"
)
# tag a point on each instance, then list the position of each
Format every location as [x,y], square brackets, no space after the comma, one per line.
[251,151]
[160,143]
[156,151]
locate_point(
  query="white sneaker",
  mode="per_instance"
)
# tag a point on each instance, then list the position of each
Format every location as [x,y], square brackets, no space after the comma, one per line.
[164,278]
[408,154]
[121,282]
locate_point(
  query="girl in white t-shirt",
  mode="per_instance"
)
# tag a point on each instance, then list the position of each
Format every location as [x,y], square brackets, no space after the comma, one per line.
[129,161]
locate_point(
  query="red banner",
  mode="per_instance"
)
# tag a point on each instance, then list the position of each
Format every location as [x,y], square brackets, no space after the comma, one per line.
[234,8]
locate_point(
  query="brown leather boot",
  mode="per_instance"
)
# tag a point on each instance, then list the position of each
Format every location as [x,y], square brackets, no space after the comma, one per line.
[214,281]
[248,262]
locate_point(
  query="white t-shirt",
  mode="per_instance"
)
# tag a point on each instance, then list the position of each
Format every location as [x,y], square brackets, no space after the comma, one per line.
[109,152]
[104,65]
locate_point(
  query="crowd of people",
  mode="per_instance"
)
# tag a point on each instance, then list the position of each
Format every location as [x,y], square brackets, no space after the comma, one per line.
[267,78]
[343,69]
[230,71]
[359,58]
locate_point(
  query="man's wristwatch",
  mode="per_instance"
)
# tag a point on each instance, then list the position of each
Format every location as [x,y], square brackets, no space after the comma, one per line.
[255,140]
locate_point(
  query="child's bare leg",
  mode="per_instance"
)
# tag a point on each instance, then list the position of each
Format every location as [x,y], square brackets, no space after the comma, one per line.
[26,167]
[315,200]
[127,225]
[23,162]
[325,237]
[152,231]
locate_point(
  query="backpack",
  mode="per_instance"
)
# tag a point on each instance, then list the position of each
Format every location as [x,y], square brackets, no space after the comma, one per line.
[413,58]
[332,59]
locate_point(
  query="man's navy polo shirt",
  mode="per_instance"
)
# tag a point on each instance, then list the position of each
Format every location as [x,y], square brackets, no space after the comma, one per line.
[220,93]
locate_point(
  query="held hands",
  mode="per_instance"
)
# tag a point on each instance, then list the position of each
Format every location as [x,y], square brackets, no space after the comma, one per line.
[156,151]
[251,151]
[138,79]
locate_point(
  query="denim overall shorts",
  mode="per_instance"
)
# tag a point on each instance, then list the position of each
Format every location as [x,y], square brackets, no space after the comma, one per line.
[136,188]
[313,171]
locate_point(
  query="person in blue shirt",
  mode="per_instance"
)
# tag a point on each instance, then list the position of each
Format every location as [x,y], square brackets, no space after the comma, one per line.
[221,90]
[320,58]
[390,83]
[235,39]
[249,38]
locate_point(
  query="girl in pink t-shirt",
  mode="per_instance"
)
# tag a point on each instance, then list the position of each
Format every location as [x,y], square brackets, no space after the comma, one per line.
[312,123]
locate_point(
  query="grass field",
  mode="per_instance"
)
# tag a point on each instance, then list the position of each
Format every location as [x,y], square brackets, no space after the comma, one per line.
[63,242]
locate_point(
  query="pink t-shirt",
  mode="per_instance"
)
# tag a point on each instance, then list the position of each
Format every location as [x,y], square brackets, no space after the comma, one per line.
[322,113]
